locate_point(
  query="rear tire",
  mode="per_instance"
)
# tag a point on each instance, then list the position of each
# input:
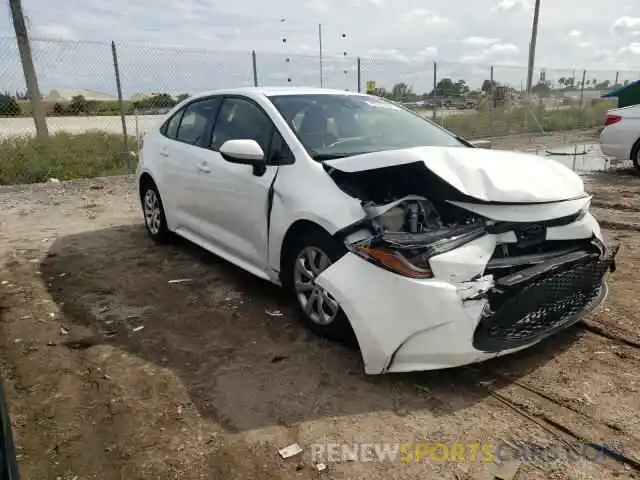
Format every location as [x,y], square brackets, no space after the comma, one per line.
[635,155]
[305,259]
[153,211]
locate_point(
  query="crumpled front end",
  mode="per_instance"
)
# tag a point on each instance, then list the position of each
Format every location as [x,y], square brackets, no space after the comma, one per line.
[426,288]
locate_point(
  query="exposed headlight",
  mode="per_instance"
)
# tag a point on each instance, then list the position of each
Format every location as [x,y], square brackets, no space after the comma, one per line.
[408,254]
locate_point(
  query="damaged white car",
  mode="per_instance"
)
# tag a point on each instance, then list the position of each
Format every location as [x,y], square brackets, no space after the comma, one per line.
[385,227]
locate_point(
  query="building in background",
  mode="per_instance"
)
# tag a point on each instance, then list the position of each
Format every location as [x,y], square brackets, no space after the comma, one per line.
[66,94]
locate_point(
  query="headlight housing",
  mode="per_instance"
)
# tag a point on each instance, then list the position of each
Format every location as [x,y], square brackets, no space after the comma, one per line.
[408,254]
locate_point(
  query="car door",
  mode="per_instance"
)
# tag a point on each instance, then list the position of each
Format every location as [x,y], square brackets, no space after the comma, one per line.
[182,151]
[235,200]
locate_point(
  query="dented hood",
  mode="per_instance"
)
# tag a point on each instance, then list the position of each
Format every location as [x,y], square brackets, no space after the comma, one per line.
[486,175]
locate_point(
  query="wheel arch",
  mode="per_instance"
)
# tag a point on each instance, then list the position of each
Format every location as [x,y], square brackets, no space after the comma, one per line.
[295,231]
[633,154]
[145,179]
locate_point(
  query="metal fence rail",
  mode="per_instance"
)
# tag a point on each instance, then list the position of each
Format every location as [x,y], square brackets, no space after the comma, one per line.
[472,100]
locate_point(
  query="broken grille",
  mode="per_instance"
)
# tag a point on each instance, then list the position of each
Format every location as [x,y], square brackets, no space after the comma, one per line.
[542,306]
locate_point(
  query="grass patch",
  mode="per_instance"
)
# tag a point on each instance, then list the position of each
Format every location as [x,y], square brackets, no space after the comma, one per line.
[63,156]
[500,121]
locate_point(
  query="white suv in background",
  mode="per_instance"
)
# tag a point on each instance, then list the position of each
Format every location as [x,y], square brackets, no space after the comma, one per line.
[620,137]
[384,227]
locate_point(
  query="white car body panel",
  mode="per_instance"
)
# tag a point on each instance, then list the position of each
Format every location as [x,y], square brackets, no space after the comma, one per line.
[617,140]
[401,323]
[530,213]
[487,175]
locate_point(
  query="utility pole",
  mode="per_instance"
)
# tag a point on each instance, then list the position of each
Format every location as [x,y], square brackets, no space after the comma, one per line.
[320,54]
[532,45]
[24,47]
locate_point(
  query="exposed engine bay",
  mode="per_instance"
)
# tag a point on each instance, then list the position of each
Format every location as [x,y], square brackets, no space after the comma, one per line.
[407,229]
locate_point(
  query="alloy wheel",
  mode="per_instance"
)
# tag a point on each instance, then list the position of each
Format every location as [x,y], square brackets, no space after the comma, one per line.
[318,304]
[152,211]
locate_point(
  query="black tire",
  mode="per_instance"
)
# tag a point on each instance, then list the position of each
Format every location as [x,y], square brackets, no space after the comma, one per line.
[339,329]
[635,155]
[157,230]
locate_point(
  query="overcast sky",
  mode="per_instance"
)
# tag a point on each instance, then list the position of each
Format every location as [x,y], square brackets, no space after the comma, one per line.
[398,39]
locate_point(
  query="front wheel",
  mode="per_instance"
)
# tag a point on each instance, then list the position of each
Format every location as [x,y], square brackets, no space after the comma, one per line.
[306,260]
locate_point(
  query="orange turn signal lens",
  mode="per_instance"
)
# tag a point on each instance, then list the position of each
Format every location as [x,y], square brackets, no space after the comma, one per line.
[392,261]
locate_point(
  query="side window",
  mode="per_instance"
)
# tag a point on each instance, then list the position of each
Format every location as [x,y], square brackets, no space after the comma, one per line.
[241,120]
[279,151]
[197,121]
[170,129]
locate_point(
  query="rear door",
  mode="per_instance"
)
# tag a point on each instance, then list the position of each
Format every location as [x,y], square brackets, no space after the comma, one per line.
[186,139]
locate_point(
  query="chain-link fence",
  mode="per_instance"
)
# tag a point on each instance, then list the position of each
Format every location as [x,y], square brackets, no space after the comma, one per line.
[78,85]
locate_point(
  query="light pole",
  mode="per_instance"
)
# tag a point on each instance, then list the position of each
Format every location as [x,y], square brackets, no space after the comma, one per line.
[532,45]
[320,54]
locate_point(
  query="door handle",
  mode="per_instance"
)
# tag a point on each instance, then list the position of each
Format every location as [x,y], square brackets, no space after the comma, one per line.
[164,152]
[203,168]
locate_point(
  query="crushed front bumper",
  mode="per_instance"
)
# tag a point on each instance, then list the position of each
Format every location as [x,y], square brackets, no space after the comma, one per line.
[536,302]
[404,324]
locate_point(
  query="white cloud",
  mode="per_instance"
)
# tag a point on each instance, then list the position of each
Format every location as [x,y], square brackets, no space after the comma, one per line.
[508,5]
[498,51]
[584,44]
[575,33]
[503,48]
[422,16]
[480,41]
[626,24]
[426,54]
[633,48]
[55,32]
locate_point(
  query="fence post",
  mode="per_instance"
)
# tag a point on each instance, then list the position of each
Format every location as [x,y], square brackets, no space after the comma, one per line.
[492,102]
[28,68]
[583,111]
[254,62]
[123,119]
[584,77]
[359,74]
[435,85]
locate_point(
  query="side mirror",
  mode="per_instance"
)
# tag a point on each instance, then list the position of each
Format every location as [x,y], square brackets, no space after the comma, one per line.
[244,152]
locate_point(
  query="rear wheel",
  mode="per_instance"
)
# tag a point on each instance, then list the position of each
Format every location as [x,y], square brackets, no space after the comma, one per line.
[305,260]
[635,155]
[154,217]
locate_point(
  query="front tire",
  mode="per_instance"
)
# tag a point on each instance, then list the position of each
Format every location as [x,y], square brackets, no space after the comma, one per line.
[312,253]
[154,216]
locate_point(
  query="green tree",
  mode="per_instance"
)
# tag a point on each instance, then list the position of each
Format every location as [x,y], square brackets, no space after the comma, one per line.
[401,92]
[444,87]
[9,106]
[541,89]
[78,105]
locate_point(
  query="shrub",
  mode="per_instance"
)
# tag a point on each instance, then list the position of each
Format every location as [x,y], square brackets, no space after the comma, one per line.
[63,156]
[9,106]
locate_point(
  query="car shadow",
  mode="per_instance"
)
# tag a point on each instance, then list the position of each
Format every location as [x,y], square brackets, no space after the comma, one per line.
[234,340]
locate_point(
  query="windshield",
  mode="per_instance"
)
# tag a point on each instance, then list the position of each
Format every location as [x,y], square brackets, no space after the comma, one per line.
[334,126]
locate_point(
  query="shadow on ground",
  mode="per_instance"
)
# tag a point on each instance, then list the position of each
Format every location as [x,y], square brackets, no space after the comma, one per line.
[241,366]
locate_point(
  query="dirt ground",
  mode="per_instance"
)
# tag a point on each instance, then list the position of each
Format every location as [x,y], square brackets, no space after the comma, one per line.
[114,372]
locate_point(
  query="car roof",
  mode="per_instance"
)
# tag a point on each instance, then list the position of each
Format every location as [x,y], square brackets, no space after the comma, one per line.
[270,91]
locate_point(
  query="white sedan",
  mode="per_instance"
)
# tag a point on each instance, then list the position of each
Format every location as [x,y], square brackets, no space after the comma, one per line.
[620,137]
[386,228]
